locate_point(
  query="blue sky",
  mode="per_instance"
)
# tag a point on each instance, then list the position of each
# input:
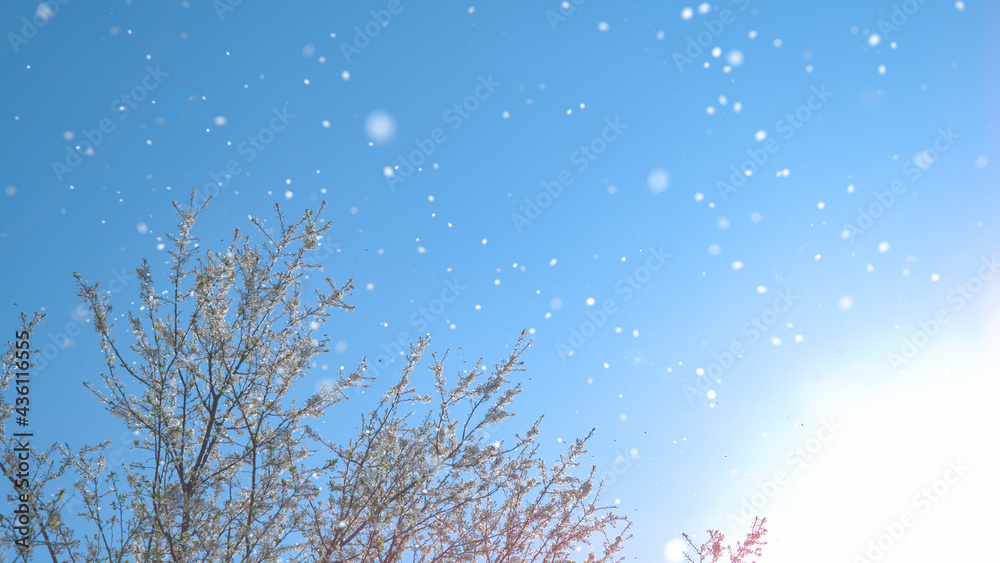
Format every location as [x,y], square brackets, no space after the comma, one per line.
[869,212]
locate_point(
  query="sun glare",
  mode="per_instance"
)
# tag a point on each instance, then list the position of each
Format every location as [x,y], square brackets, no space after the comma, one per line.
[906,478]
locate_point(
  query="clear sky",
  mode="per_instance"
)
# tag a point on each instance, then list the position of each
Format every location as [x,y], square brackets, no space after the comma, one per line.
[755,243]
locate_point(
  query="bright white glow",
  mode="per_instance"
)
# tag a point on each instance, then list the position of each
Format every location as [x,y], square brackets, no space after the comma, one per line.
[895,447]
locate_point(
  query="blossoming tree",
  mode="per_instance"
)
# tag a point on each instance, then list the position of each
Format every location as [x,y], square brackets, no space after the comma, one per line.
[227,467]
